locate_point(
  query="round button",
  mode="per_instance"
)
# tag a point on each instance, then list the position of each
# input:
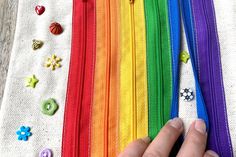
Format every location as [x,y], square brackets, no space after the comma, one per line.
[186,94]
[46,153]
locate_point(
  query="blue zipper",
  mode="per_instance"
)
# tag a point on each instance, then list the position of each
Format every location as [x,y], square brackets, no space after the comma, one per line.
[175,18]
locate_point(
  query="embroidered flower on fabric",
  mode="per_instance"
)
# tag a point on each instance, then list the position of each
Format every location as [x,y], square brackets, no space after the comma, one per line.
[53,62]
[184,56]
[46,153]
[49,107]
[31,81]
[24,133]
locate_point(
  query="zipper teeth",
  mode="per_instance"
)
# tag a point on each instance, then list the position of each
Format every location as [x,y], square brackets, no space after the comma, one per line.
[160,70]
[108,70]
[134,107]
[211,81]
[84,45]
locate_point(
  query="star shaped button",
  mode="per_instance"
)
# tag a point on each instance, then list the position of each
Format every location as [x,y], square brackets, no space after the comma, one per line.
[184,56]
[31,81]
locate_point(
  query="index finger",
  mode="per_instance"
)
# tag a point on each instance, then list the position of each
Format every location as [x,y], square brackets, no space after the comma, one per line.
[163,143]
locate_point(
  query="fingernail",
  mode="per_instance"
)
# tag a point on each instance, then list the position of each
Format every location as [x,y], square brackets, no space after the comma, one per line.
[146,140]
[200,126]
[176,123]
[212,153]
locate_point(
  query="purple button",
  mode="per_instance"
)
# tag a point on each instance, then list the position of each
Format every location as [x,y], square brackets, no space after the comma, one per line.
[46,153]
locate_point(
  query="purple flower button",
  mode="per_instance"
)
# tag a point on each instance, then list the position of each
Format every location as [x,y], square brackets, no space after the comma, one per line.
[46,153]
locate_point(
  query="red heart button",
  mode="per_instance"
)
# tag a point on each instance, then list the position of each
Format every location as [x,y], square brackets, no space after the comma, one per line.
[39,9]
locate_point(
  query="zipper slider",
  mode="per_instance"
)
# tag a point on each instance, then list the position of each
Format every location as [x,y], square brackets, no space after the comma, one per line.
[131,1]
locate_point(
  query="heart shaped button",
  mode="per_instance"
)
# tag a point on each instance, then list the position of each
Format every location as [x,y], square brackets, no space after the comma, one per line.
[39,9]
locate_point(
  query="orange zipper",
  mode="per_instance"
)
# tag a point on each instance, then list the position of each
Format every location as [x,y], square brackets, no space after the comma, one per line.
[104,112]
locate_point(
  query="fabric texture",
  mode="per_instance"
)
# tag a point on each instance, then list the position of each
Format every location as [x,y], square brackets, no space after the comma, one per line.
[21,105]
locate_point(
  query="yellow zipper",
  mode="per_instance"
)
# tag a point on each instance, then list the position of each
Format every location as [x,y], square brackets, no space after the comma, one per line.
[134,108]
[133,81]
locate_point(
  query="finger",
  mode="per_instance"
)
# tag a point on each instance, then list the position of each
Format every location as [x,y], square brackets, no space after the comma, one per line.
[210,153]
[163,143]
[195,142]
[136,148]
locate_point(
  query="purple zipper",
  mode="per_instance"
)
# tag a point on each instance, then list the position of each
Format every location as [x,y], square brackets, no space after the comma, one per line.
[210,76]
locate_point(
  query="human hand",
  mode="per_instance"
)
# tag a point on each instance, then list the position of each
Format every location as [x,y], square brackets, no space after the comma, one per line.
[194,144]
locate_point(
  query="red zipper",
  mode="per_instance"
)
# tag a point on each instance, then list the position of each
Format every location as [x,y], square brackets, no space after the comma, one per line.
[76,137]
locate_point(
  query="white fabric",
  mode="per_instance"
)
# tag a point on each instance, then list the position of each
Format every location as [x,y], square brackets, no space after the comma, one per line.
[21,105]
[187,110]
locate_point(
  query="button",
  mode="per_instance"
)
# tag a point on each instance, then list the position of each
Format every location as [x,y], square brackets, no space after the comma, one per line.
[184,56]
[37,44]
[49,107]
[53,62]
[23,133]
[39,9]
[31,81]
[186,94]
[46,153]
[56,28]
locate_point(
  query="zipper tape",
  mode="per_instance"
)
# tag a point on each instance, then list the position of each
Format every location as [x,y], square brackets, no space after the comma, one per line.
[104,111]
[188,25]
[114,80]
[186,14]
[76,129]
[133,120]
[100,104]
[159,72]
[210,76]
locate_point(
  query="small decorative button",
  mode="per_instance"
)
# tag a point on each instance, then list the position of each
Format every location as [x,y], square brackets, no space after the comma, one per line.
[39,9]
[56,28]
[186,94]
[31,81]
[46,153]
[184,56]
[53,62]
[24,133]
[49,107]
[37,44]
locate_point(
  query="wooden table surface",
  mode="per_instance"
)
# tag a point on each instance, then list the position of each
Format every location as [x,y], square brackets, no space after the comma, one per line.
[8,13]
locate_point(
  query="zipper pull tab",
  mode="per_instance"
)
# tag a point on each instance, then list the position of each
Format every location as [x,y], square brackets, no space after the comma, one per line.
[131,1]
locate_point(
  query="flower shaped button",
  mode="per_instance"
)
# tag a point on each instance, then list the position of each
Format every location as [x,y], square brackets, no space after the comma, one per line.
[31,81]
[46,153]
[23,133]
[49,107]
[53,62]
[184,56]
[186,94]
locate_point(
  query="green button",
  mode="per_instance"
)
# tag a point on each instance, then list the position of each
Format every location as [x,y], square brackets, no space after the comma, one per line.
[184,56]
[49,107]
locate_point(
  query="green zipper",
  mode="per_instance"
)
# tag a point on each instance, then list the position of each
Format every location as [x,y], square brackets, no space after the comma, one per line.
[158,64]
